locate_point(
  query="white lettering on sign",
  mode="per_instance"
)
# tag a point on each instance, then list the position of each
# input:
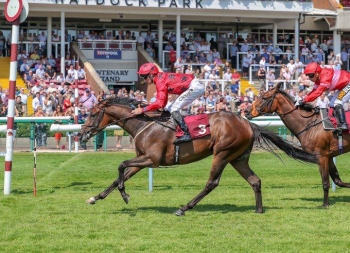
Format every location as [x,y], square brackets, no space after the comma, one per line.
[99,52]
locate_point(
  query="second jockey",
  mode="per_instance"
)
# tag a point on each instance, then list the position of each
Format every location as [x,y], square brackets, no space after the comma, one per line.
[331,80]
[185,85]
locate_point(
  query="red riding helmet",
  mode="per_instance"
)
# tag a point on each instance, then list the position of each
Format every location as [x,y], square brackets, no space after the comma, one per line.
[312,68]
[148,68]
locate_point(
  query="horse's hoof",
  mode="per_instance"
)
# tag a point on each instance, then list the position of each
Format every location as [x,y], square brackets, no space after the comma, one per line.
[126,198]
[91,201]
[180,213]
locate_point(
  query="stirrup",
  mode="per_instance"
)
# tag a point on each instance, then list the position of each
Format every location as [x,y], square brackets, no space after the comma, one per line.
[343,127]
[184,138]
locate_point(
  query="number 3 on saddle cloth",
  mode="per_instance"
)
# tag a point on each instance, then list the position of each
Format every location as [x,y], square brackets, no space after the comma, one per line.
[330,122]
[198,126]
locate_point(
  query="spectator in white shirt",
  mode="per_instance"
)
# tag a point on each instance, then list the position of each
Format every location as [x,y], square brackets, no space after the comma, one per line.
[322,101]
[60,78]
[299,67]
[228,75]
[178,65]
[42,39]
[291,68]
[71,70]
[81,73]
[140,40]
[40,72]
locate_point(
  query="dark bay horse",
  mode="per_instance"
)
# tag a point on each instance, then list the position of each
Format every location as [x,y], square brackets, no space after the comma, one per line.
[231,141]
[307,126]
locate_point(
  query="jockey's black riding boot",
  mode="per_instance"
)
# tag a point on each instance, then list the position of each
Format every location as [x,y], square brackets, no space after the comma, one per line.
[340,115]
[181,123]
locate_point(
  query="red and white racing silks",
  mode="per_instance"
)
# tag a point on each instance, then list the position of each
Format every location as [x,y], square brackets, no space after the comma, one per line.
[330,79]
[168,83]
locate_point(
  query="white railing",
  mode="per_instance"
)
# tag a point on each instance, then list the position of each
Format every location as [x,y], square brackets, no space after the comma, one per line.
[260,45]
[107,44]
[255,67]
[222,83]
[29,46]
[280,81]
[290,56]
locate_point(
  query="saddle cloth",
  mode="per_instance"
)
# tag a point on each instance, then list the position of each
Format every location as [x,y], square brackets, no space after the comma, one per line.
[198,126]
[330,122]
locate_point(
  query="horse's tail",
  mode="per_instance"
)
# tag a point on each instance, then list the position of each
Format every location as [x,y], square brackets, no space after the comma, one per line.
[266,138]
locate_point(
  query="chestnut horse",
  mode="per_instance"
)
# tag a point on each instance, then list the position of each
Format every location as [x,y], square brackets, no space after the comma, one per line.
[307,126]
[231,141]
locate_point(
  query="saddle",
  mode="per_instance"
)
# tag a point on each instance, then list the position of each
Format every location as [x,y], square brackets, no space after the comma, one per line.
[329,121]
[161,116]
[198,126]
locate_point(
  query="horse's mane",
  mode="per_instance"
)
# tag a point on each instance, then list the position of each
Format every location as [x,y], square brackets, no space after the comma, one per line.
[306,107]
[120,101]
[289,97]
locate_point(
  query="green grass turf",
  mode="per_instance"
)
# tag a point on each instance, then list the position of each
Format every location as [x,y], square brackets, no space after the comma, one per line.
[58,220]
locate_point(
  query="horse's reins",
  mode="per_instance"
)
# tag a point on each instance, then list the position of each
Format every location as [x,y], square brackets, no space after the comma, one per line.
[122,119]
[100,118]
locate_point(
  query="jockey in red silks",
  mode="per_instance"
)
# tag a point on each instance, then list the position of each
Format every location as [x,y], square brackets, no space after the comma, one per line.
[185,85]
[330,79]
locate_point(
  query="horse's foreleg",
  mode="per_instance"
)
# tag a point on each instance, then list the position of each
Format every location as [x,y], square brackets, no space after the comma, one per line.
[139,162]
[129,172]
[335,175]
[324,171]
[248,174]
[212,183]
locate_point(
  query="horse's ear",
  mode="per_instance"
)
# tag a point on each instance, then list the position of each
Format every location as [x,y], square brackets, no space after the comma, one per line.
[279,86]
[261,91]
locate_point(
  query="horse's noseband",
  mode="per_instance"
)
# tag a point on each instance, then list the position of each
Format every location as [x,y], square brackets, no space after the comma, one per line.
[267,103]
[97,121]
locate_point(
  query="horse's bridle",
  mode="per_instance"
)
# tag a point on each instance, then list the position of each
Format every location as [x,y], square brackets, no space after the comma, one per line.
[268,103]
[96,122]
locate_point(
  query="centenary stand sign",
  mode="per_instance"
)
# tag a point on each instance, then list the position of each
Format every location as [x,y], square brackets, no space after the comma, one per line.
[119,75]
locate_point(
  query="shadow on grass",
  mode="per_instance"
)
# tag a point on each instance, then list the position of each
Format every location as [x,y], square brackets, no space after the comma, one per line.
[223,209]
[20,192]
[332,199]
[73,184]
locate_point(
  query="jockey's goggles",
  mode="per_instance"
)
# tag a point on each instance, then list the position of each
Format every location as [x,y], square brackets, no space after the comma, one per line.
[310,75]
[143,76]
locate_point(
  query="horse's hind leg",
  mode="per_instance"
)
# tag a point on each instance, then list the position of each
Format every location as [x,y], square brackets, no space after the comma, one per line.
[335,175]
[218,166]
[129,172]
[246,172]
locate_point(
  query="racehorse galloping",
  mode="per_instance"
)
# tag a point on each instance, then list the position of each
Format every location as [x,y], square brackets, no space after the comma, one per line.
[307,127]
[231,141]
